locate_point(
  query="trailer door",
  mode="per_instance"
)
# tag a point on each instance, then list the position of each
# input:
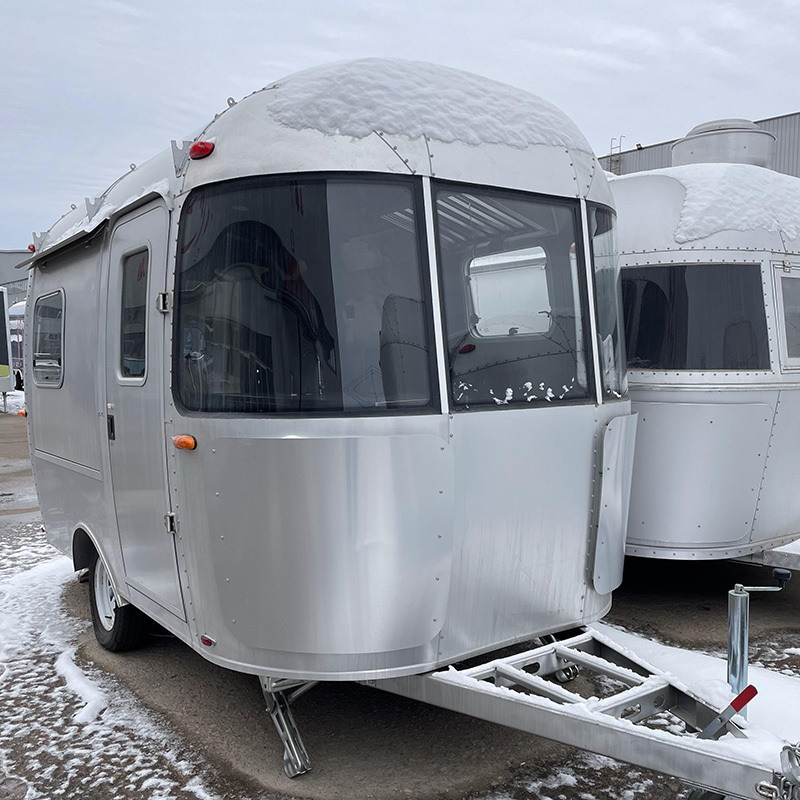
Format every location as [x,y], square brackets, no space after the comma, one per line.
[135,405]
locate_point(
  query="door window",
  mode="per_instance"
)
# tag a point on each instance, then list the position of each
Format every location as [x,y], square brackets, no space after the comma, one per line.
[48,340]
[133,334]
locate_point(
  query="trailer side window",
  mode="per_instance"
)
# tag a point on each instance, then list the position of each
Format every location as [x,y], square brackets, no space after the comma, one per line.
[790,291]
[133,349]
[304,296]
[695,317]
[48,339]
[514,298]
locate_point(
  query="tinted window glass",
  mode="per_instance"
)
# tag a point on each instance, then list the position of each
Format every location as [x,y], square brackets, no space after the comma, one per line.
[303,297]
[605,256]
[48,314]
[791,315]
[695,317]
[512,298]
[133,354]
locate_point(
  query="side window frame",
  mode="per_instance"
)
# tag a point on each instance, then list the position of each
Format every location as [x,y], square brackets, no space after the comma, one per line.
[126,380]
[44,384]
[790,271]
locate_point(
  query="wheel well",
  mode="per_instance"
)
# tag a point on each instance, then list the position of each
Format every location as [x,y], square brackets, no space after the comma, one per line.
[82,549]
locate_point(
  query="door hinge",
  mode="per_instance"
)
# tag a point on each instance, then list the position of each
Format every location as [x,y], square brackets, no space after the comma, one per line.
[171,522]
[162,303]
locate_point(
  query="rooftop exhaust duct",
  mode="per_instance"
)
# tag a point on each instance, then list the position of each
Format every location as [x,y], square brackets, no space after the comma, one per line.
[731,141]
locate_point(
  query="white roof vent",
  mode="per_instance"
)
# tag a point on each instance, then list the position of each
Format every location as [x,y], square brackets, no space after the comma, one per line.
[729,141]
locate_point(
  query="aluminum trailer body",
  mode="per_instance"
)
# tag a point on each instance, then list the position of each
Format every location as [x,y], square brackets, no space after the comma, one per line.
[710,256]
[385,345]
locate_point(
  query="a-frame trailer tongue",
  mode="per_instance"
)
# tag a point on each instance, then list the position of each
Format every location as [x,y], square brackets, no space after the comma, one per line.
[514,690]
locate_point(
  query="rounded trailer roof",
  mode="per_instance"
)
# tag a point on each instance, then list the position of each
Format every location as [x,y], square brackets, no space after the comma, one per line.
[370,115]
[708,207]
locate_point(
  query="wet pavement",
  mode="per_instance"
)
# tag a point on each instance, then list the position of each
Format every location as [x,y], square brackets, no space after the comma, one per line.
[161,722]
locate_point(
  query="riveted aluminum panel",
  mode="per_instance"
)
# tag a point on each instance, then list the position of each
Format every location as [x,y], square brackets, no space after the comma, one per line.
[523,524]
[330,545]
[619,440]
[697,472]
[77,275]
[778,512]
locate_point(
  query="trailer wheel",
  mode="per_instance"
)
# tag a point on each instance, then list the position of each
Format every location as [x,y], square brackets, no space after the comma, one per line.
[117,628]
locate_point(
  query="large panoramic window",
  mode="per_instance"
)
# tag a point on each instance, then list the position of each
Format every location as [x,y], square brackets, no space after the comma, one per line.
[608,288]
[303,296]
[695,317]
[513,298]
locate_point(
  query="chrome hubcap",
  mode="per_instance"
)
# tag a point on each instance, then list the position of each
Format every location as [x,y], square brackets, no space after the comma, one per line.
[104,596]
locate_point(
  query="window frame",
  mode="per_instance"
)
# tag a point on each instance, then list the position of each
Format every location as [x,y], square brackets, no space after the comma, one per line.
[127,380]
[608,395]
[781,270]
[573,204]
[46,384]
[415,184]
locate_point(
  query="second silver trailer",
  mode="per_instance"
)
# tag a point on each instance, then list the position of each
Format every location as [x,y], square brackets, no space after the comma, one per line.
[710,253]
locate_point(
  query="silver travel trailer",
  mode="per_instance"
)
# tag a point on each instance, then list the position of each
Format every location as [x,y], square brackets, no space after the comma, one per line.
[710,256]
[335,391]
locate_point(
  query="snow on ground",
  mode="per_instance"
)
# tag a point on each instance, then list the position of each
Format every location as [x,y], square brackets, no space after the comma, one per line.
[15,401]
[705,675]
[66,729]
[69,730]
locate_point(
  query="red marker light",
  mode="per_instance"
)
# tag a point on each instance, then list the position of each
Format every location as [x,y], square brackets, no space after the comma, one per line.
[467,348]
[32,248]
[207,641]
[200,150]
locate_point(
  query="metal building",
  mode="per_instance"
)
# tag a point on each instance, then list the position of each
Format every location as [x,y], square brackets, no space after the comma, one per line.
[10,277]
[786,130]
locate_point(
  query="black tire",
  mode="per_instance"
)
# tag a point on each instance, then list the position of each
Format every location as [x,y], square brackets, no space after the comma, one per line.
[117,628]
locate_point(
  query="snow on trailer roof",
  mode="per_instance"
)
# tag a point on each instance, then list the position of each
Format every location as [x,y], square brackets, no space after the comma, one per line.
[369,115]
[415,99]
[713,205]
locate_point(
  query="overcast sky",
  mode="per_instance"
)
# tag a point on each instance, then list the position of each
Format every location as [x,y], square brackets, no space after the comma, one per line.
[90,86]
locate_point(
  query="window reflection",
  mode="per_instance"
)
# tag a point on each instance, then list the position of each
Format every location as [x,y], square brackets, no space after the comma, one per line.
[513,311]
[303,296]
[697,316]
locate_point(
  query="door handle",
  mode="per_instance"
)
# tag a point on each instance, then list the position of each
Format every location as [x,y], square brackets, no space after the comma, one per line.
[111,430]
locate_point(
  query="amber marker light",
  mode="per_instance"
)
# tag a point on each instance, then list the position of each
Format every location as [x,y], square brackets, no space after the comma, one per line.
[185,442]
[22,413]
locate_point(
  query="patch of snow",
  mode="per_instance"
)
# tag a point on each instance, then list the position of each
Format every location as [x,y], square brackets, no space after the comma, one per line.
[86,224]
[705,676]
[76,680]
[732,197]
[15,401]
[65,729]
[416,99]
